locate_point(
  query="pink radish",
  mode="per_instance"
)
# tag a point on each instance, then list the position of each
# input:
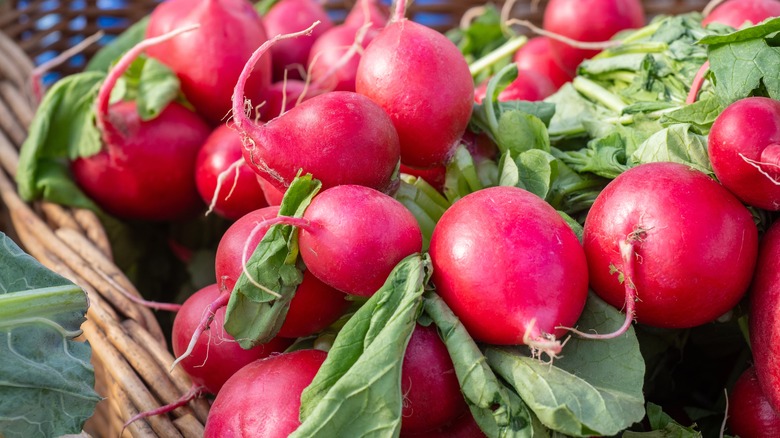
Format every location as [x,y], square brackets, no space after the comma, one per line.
[764,316]
[355,141]
[537,55]
[401,70]
[209,60]
[314,306]
[216,356]
[289,16]
[263,399]
[273,196]
[744,149]
[146,169]
[749,414]
[670,246]
[565,17]
[222,177]
[529,85]
[510,268]
[735,13]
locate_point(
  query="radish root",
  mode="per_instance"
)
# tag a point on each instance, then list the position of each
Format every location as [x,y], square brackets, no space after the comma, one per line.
[586,45]
[205,324]
[194,392]
[38,72]
[541,343]
[759,165]
[233,168]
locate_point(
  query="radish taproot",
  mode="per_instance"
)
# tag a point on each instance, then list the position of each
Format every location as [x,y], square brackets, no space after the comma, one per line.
[400,70]
[216,355]
[749,414]
[510,268]
[146,169]
[764,316]
[669,245]
[565,17]
[356,142]
[263,398]
[224,181]
[209,60]
[744,149]
[736,13]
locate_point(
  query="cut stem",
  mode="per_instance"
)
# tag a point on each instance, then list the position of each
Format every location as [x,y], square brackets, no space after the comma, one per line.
[400,10]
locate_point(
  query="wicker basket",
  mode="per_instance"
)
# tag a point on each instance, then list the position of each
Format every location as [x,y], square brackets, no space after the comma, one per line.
[130,356]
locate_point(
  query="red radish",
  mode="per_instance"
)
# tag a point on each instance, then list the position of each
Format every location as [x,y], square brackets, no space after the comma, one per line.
[744,149]
[537,55]
[289,16]
[402,70]
[432,396]
[223,178]
[263,399]
[209,60]
[355,141]
[530,279]
[335,56]
[735,13]
[434,176]
[750,415]
[351,237]
[764,316]
[273,196]
[670,245]
[146,169]
[529,85]
[565,17]
[314,306]
[463,427]
[282,96]
[216,356]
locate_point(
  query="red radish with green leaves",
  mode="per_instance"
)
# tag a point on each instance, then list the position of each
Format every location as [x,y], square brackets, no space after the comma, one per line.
[744,149]
[736,13]
[669,245]
[356,142]
[565,17]
[146,169]
[216,355]
[537,55]
[421,79]
[315,305]
[764,316]
[224,180]
[529,85]
[208,61]
[749,414]
[263,399]
[288,16]
[510,268]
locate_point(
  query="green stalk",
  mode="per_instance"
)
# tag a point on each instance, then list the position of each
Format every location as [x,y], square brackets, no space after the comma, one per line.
[36,306]
[501,52]
[599,94]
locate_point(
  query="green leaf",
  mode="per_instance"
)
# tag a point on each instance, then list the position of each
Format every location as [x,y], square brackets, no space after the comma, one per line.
[746,62]
[253,315]
[47,379]
[464,176]
[107,55]
[700,115]
[519,132]
[594,389]
[157,87]
[263,6]
[663,426]
[532,170]
[357,391]
[497,409]
[63,129]
[675,144]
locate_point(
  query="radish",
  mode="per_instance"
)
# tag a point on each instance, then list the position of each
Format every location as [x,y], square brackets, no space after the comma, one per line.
[273,196]
[764,316]
[529,85]
[432,396]
[463,427]
[344,243]
[749,414]
[537,55]
[744,149]
[401,70]
[282,96]
[222,177]
[216,356]
[209,60]
[356,142]
[670,245]
[264,397]
[288,16]
[434,176]
[510,268]
[735,13]
[335,56]
[314,306]
[146,169]
[565,17]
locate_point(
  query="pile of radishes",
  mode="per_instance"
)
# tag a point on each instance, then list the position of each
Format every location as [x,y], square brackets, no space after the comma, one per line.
[358,165]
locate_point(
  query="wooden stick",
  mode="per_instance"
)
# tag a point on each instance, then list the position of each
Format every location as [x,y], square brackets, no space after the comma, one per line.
[94,230]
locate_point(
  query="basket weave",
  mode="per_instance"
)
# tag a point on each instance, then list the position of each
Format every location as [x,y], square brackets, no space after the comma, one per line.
[130,352]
